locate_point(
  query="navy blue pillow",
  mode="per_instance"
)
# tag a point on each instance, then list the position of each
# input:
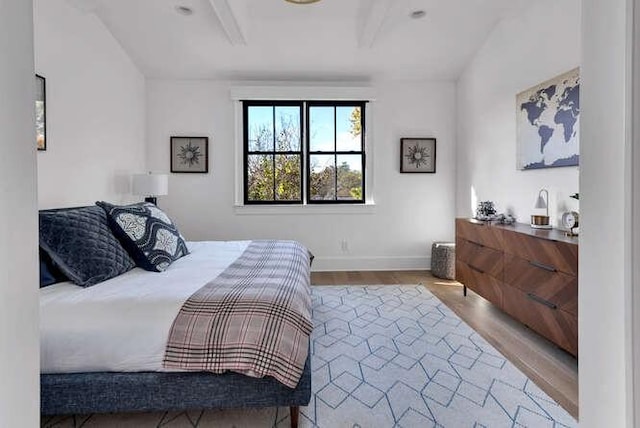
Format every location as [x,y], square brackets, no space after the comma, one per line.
[49,273]
[81,244]
[147,233]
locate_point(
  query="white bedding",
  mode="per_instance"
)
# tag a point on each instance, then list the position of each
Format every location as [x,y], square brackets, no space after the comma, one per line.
[122,324]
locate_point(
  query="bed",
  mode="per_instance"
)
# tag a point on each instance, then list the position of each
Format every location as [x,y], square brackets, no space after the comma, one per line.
[110,347]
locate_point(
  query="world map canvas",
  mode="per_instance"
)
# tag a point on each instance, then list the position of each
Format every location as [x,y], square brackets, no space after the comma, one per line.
[548,118]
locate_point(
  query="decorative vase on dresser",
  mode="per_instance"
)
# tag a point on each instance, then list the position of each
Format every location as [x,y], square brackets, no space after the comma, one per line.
[530,274]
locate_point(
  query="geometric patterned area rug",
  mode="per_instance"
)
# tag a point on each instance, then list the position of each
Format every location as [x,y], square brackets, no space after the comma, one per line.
[389,356]
[384,356]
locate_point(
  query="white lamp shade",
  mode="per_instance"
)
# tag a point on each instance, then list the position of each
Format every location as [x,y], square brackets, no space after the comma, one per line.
[150,184]
[540,203]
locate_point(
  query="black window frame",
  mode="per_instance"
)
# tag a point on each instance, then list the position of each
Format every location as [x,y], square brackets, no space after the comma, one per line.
[335,152]
[305,153]
[245,108]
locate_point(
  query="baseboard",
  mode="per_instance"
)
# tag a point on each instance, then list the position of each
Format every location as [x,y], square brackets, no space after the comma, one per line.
[322,264]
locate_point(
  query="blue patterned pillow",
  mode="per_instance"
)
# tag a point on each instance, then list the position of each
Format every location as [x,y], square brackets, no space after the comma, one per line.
[81,245]
[147,233]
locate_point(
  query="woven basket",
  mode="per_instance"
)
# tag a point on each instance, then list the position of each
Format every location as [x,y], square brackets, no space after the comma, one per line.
[443,260]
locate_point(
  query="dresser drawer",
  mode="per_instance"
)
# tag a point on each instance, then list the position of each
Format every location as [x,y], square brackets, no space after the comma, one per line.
[484,259]
[543,317]
[552,255]
[556,287]
[482,283]
[480,233]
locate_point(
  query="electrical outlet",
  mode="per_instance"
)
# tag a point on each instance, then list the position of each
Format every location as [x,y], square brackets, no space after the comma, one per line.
[344,246]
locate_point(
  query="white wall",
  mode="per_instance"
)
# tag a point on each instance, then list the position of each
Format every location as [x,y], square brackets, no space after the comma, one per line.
[634,222]
[19,346]
[521,52]
[518,55]
[605,242]
[411,211]
[95,109]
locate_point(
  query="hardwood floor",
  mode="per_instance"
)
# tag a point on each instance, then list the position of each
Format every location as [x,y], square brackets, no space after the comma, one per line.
[552,369]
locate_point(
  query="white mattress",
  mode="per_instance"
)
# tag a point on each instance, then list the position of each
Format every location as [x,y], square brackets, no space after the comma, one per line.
[122,324]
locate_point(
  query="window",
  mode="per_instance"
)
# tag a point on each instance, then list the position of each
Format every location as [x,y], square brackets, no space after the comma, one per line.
[323,164]
[273,152]
[335,152]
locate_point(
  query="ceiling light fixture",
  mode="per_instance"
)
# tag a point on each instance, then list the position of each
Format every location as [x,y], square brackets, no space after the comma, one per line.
[302,1]
[417,14]
[184,10]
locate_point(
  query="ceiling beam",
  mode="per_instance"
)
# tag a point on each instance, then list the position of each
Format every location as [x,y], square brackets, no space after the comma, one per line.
[229,21]
[376,12]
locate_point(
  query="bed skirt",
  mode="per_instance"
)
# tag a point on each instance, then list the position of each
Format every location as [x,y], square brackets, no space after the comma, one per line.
[106,392]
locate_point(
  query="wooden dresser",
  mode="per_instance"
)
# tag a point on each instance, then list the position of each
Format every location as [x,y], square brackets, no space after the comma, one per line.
[530,274]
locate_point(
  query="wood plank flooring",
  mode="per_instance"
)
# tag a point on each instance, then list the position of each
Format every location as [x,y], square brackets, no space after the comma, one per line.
[552,369]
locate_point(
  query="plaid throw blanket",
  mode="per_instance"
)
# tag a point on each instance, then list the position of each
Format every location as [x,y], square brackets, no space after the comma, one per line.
[254,318]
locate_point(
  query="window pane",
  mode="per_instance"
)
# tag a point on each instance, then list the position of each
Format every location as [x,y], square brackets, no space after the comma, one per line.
[260,178]
[260,123]
[288,128]
[349,129]
[350,177]
[288,178]
[321,129]
[322,182]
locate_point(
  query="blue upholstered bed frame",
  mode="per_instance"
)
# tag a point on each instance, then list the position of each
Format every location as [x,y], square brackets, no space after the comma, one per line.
[104,392]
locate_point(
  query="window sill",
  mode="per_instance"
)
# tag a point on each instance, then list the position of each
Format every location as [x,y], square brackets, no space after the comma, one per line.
[368,208]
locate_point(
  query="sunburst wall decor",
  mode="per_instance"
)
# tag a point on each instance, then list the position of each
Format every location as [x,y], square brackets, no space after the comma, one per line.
[190,154]
[418,155]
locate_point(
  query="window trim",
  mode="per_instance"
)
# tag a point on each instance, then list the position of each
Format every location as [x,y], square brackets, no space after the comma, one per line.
[289,91]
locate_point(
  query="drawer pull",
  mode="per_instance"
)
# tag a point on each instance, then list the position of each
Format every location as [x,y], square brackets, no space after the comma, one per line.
[541,301]
[476,244]
[476,269]
[543,266]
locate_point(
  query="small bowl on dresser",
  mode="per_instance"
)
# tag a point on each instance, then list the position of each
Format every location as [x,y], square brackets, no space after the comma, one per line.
[540,222]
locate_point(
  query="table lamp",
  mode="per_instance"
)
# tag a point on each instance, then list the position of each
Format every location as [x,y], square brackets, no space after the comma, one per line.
[541,221]
[150,185]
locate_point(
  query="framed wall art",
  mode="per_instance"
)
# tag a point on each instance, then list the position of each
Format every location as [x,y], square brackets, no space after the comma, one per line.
[41,113]
[418,155]
[548,123]
[190,154]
